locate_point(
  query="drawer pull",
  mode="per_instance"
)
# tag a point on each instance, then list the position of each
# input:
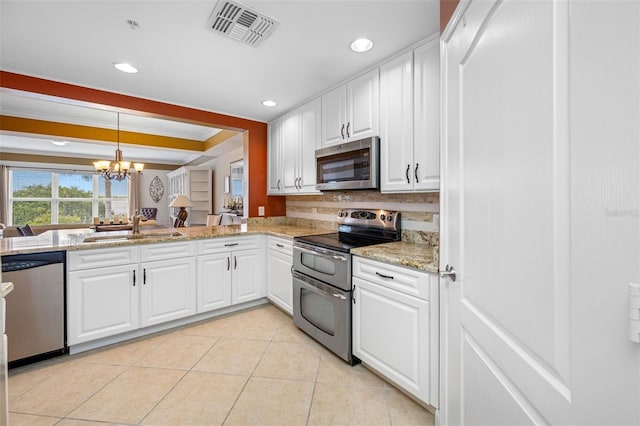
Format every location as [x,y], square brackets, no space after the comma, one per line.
[280,245]
[384,276]
[230,244]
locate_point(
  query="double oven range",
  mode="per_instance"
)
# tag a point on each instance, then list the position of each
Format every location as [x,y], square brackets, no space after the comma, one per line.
[322,292]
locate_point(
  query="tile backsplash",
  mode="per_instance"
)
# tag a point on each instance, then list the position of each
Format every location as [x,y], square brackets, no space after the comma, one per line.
[417,211]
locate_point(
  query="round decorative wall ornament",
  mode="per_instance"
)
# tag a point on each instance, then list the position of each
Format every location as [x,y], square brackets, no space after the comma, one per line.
[156,189]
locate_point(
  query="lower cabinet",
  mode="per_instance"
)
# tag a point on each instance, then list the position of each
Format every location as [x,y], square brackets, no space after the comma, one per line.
[393,326]
[279,283]
[168,290]
[102,302]
[229,272]
[109,300]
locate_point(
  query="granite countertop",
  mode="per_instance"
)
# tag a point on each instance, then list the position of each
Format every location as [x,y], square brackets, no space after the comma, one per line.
[416,256]
[71,239]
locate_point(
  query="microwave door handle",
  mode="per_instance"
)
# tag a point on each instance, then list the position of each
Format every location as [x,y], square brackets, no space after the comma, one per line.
[322,254]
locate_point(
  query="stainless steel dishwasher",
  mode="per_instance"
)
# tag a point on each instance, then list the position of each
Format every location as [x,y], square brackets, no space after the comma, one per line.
[35,324]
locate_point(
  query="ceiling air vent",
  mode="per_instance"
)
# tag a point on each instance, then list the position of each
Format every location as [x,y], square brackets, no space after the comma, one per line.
[241,23]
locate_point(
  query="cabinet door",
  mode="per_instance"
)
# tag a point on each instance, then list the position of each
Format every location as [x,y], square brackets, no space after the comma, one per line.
[279,282]
[334,116]
[214,282]
[426,151]
[102,302]
[363,106]
[396,124]
[309,142]
[246,281]
[274,152]
[290,143]
[168,290]
[391,334]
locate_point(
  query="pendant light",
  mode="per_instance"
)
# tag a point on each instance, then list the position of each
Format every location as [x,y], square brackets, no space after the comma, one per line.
[118,169]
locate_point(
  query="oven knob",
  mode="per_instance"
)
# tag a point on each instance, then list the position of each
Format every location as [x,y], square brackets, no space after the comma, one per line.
[390,218]
[382,217]
[339,214]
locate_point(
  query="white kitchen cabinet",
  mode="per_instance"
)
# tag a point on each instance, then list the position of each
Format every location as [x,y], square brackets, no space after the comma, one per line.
[229,272]
[196,183]
[409,120]
[102,302]
[168,290]
[279,263]
[350,112]
[395,325]
[274,157]
[293,139]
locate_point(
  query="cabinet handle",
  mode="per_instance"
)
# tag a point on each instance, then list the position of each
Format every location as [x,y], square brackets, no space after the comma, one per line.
[134,277]
[279,245]
[230,244]
[228,263]
[353,294]
[278,184]
[348,135]
[235,262]
[407,172]
[342,131]
[415,173]
[144,276]
[384,276]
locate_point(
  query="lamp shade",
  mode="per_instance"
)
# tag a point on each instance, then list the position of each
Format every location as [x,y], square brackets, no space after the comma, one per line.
[181,201]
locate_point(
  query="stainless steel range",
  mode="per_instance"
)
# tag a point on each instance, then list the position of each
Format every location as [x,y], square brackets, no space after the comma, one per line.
[322,275]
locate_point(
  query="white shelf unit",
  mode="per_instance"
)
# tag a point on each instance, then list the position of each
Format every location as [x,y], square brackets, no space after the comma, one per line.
[195,183]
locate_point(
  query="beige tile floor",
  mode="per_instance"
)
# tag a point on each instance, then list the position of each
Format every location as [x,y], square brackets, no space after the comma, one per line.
[250,368]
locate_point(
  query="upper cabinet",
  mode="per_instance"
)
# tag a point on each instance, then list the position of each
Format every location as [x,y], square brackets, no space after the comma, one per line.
[293,139]
[350,112]
[409,120]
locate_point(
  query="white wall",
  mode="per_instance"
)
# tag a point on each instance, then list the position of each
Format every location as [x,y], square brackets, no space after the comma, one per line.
[220,167]
[145,198]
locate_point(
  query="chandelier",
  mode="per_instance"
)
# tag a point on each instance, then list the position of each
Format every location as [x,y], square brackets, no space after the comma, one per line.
[118,169]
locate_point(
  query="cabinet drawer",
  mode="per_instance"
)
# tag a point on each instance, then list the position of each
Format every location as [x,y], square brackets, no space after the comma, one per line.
[165,251]
[222,245]
[408,281]
[280,245]
[99,258]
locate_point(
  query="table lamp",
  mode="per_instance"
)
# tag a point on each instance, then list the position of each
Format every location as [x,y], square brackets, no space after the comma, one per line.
[181,201]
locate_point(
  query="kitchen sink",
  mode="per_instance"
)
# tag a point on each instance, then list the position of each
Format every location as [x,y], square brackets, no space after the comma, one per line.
[107,238]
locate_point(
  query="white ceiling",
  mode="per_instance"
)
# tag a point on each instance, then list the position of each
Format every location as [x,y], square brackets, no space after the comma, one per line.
[182,62]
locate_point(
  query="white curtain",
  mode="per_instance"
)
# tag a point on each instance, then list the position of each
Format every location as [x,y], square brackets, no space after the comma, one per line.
[4,194]
[134,196]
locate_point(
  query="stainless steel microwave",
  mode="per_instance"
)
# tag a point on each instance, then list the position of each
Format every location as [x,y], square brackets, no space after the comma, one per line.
[349,165]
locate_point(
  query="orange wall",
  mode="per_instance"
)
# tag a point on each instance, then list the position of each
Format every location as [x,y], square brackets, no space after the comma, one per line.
[255,145]
[447,7]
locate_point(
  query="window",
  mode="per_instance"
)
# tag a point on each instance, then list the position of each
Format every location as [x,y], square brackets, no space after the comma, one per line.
[40,197]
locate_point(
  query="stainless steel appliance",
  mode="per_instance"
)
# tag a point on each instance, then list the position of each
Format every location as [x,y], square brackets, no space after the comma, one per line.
[349,165]
[322,275]
[35,324]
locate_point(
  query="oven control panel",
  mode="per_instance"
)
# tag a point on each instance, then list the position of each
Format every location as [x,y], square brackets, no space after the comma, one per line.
[382,219]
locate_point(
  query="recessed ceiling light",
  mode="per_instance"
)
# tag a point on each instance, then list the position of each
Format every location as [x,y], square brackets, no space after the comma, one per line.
[124,67]
[361,45]
[59,143]
[269,103]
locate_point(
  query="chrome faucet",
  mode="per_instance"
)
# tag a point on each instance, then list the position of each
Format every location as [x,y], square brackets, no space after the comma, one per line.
[136,222]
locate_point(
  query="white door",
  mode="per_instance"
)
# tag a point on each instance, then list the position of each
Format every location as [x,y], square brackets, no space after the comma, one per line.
[363,106]
[309,142]
[290,142]
[279,283]
[214,282]
[102,302]
[540,203]
[334,114]
[274,154]
[168,290]
[246,281]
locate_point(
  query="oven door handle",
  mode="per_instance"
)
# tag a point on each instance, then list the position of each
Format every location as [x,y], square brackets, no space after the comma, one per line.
[320,288]
[321,252]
